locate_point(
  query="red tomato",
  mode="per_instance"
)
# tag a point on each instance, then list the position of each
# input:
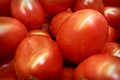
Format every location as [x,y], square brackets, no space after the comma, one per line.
[82,34]
[7,72]
[112,34]
[67,73]
[30,12]
[12,32]
[98,67]
[112,14]
[38,32]
[89,4]
[112,48]
[56,6]
[38,58]
[111,2]
[57,22]
[5,7]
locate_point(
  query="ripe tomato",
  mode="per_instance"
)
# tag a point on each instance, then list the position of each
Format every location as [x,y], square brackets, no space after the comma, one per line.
[30,12]
[38,57]
[98,67]
[112,14]
[112,48]
[12,32]
[56,6]
[57,22]
[112,34]
[82,34]
[89,4]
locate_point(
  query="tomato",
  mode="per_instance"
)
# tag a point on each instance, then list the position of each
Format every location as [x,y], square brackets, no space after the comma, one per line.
[82,34]
[38,32]
[38,58]
[112,48]
[67,73]
[89,4]
[112,14]
[29,12]
[56,39]
[112,34]
[12,32]
[7,72]
[5,8]
[111,2]
[56,6]
[57,22]
[98,67]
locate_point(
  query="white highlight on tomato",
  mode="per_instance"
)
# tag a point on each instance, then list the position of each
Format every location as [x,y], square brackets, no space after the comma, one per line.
[117,53]
[111,11]
[24,4]
[39,60]
[88,1]
[4,29]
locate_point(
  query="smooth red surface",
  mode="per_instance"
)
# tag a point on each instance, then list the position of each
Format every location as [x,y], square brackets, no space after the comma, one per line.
[89,4]
[82,34]
[38,57]
[111,2]
[67,73]
[38,32]
[112,14]
[56,6]
[57,22]
[112,34]
[99,67]
[12,32]
[5,8]
[7,72]
[30,12]
[112,48]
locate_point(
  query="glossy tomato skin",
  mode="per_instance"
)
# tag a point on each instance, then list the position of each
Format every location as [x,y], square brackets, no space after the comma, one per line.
[112,14]
[7,71]
[89,4]
[112,48]
[82,34]
[30,12]
[12,32]
[39,58]
[38,32]
[57,22]
[56,6]
[5,7]
[112,34]
[98,67]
